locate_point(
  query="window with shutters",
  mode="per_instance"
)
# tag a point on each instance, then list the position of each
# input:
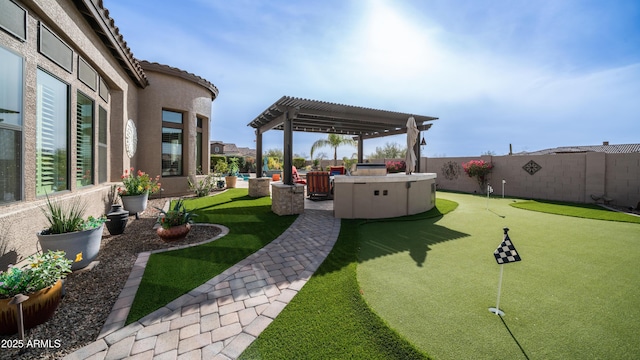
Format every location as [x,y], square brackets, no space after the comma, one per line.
[84,140]
[52,135]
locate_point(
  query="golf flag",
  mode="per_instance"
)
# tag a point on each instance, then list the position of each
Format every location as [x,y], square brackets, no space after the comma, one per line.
[506,252]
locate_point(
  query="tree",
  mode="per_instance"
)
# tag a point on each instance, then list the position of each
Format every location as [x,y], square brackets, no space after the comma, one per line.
[479,169]
[333,141]
[389,151]
[274,153]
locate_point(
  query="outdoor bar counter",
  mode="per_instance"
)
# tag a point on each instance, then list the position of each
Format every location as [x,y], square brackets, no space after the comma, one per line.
[383,196]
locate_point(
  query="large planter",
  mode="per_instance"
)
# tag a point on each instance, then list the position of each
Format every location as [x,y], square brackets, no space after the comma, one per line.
[117,219]
[36,310]
[174,233]
[231,181]
[86,242]
[135,203]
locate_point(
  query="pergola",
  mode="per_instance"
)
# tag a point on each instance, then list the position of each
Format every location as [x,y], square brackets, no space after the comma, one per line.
[294,114]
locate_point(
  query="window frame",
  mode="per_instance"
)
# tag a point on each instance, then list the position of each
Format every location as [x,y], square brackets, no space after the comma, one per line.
[68,134]
[166,172]
[103,146]
[18,131]
[91,146]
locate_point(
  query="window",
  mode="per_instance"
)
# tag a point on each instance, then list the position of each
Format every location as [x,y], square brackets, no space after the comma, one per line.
[55,49]
[102,145]
[84,141]
[199,165]
[10,126]
[171,143]
[52,140]
[13,19]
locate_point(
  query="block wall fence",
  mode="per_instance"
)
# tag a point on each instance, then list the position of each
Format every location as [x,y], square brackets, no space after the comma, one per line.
[562,177]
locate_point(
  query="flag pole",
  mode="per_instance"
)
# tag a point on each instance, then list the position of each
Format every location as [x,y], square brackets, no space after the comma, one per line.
[496,310]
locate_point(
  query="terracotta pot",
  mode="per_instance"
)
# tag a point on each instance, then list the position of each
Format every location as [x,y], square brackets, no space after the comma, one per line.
[174,233]
[36,310]
[231,181]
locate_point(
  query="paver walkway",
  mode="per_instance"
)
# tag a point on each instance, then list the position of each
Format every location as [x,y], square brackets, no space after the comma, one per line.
[220,319]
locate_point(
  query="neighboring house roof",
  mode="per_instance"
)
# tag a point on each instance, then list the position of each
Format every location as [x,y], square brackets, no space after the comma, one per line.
[605,148]
[245,151]
[232,149]
[173,71]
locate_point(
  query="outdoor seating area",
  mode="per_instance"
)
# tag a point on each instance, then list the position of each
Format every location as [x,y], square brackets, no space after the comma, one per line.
[319,185]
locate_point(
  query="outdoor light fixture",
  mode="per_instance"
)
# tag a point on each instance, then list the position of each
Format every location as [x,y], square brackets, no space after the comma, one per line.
[423,142]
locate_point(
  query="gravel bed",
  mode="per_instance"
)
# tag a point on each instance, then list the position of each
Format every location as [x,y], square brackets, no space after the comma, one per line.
[90,295]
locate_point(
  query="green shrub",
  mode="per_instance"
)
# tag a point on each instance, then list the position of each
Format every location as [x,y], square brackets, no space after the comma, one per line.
[215,159]
[299,162]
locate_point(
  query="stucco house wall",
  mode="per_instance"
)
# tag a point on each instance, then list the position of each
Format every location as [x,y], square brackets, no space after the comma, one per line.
[170,92]
[130,97]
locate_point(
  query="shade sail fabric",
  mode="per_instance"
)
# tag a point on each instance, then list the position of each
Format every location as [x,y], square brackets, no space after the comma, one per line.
[412,136]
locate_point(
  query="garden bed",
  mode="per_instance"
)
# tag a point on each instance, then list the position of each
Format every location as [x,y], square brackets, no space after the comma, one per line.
[90,295]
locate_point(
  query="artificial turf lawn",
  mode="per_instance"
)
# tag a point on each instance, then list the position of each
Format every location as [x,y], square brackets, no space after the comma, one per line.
[574,295]
[328,318]
[168,275]
[588,211]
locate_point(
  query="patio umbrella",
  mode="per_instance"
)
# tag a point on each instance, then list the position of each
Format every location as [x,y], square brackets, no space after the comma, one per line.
[412,136]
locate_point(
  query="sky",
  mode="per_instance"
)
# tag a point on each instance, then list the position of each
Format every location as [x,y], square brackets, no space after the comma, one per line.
[533,74]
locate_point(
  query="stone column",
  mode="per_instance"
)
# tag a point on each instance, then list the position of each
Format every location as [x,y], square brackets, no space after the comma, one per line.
[259,187]
[287,199]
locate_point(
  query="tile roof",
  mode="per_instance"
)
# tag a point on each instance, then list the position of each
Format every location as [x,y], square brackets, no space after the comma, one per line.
[104,26]
[169,70]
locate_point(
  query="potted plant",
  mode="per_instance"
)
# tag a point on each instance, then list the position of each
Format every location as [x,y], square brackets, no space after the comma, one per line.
[220,168]
[175,223]
[136,189]
[68,231]
[231,177]
[40,280]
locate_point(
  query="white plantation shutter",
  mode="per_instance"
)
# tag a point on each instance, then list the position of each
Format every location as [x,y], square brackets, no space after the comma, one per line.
[51,135]
[84,141]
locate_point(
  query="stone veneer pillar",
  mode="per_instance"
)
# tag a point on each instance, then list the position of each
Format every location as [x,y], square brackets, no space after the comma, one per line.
[259,187]
[287,199]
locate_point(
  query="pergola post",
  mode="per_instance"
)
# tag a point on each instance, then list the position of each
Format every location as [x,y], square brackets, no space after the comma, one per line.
[288,155]
[416,150]
[258,153]
[360,149]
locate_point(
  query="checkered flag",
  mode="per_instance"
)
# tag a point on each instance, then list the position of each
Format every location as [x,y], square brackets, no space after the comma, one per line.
[506,252]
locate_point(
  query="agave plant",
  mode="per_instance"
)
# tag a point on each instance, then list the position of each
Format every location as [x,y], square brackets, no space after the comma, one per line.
[178,215]
[70,218]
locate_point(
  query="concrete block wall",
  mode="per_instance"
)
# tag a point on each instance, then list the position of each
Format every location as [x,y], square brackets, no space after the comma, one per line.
[622,178]
[562,177]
